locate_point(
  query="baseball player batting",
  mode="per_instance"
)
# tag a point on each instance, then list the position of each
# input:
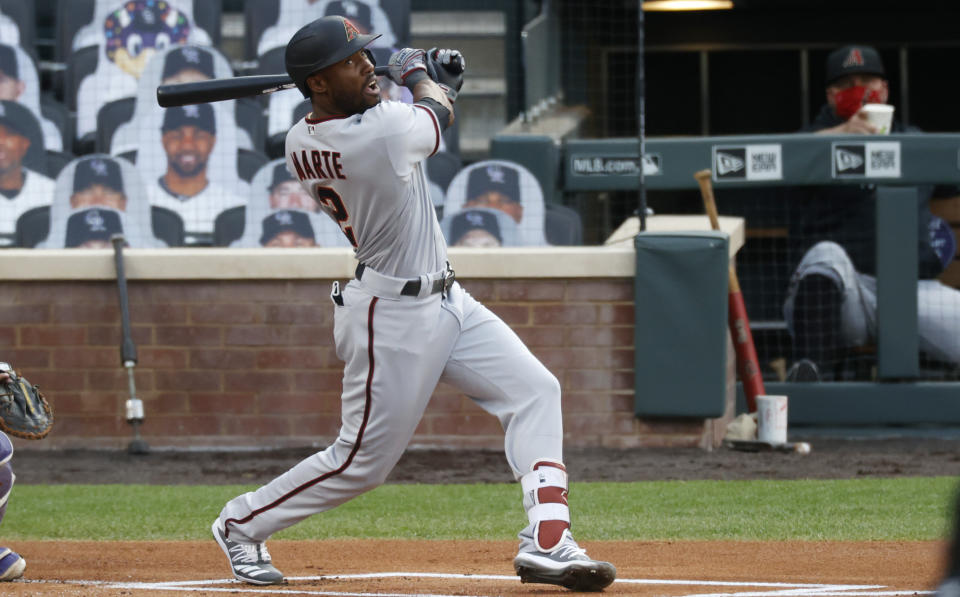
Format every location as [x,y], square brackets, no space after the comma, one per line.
[403,323]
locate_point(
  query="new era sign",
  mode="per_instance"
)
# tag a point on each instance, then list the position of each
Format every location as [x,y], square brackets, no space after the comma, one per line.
[880,159]
[747,162]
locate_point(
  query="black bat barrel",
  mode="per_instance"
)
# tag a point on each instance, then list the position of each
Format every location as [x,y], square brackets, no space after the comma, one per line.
[216,90]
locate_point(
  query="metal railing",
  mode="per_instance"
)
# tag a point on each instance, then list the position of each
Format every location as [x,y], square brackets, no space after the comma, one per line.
[539,41]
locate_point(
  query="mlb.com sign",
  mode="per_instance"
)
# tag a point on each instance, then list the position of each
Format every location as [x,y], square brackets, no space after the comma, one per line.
[747,162]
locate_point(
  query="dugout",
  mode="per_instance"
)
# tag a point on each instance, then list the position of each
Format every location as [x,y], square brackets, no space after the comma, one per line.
[902,393]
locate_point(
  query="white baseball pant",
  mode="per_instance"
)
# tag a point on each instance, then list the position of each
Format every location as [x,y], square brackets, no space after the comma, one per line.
[396,348]
[938,305]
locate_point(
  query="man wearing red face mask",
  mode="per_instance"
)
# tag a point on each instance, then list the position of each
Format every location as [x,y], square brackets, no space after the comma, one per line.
[831,301]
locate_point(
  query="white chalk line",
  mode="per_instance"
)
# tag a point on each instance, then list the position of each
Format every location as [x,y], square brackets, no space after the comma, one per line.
[781,589]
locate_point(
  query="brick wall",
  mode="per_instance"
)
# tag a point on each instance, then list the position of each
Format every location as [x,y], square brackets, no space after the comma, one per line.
[252,363]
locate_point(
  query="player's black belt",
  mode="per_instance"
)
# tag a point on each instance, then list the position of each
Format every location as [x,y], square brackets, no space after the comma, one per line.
[412,286]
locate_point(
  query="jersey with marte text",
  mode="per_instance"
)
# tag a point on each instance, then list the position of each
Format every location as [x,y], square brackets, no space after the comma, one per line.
[365,172]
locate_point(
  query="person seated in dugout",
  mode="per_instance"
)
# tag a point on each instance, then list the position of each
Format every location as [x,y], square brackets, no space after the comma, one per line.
[9,30]
[92,228]
[831,302]
[287,228]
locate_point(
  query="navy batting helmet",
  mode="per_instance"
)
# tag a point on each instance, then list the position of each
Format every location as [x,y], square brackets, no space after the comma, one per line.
[323,42]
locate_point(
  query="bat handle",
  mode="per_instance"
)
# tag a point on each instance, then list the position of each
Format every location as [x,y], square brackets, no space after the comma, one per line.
[128,350]
[381,71]
[709,201]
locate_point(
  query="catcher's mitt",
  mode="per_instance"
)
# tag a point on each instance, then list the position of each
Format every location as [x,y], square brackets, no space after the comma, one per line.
[24,412]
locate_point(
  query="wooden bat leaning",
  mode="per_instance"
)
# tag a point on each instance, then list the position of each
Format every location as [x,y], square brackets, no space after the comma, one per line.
[217,90]
[748,366]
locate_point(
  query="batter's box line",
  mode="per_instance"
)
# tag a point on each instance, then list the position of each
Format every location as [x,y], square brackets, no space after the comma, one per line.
[785,589]
[835,592]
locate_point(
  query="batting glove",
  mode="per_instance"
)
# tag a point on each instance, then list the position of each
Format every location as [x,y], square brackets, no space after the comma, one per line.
[446,67]
[407,67]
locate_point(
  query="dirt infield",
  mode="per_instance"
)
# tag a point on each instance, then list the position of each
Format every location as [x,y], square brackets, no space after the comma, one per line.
[830,459]
[381,568]
[368,567]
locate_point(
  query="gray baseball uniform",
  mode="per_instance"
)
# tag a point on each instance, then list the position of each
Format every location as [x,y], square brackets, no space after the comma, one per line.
[400,328]
[938,324]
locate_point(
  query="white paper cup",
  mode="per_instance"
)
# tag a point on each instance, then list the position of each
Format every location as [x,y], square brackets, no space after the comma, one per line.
[880,116]
[772,419]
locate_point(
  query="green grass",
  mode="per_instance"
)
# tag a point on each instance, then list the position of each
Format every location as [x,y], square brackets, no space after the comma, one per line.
[913,508]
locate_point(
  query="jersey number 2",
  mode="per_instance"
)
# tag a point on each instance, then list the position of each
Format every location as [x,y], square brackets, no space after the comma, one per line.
[331,203]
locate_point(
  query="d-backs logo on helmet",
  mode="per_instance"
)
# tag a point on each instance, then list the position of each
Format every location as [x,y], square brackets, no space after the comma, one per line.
[350,29]
[854,58]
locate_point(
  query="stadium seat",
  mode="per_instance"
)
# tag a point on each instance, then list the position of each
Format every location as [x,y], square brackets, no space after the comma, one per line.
[248,162]
[442,167]
[257,16]
[59,115]
[33,226]
[276,141]
[71,16]
[563,225]
[451,136]
[56,160]
[208,15]
[21,13]
[249,116]
[270,23]
[80,65]
[229,226]
[167,226]
[110,116]
[272,63]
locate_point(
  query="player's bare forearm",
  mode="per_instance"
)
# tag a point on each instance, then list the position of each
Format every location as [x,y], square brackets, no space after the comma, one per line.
[428,88]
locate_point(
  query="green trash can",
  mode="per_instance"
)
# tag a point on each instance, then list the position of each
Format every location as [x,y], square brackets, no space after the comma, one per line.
[680,331]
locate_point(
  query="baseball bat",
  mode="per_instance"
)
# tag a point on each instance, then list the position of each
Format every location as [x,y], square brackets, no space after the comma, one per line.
[128,351]
[218,90]
[748,365]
